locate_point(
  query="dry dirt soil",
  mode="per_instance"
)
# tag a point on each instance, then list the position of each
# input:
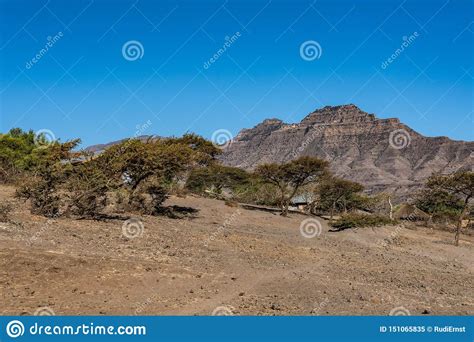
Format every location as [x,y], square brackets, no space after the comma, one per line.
[228,260]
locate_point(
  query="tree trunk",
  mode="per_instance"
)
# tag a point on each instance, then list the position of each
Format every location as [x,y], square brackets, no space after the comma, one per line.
[284,208]
[332,212]
[459,225]
[391,209]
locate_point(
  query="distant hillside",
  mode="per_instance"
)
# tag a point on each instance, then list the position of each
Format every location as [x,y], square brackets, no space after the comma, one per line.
[382,154]
[101,147]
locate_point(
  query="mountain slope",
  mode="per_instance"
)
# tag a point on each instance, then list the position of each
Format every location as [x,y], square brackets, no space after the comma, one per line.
[379,153]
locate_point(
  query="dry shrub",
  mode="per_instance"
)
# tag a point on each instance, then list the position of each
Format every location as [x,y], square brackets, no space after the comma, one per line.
[43,199]
[87,193]
[5,210]
[148,199]
[360,220]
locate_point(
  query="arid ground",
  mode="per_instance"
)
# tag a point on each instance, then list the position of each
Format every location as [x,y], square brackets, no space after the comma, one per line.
[243,262]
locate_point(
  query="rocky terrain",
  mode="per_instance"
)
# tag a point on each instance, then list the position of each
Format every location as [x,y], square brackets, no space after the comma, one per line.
[227,260]
[382,154]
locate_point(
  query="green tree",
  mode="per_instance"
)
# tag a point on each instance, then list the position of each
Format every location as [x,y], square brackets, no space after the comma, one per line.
[338,194]
[454,191]
[217,177]
[42,187]
[291,176]
[148,168]
[17,153]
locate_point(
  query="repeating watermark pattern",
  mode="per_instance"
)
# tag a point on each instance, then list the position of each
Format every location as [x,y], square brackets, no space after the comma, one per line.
[142,128]
[44,311]
[399,139]
[221,229]
[37,235]
[133,228]
[399,311]
[133,50]
[306,142]
[389,240]
[15,329]
[320,306]
[44,138]
[407,41]
[310,228]
[222,138]
[229,41]
[51,41]
[310,50]
[226,310]
[141,307]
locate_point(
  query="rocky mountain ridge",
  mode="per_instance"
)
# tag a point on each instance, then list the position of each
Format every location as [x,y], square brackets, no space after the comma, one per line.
[382,154]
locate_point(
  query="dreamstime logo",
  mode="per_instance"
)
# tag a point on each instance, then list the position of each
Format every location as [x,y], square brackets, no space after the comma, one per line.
[44,311]
[15,329]
[399,139]
[221,229]
[221,138]
[223,311]
[407,41]
[306,143]
[133,228]
[142,128]
[310,228]
[399,311]
[142,306]
[51,40]
[44,138]
[133,50]
[310,50]
[317,309]
[227,44]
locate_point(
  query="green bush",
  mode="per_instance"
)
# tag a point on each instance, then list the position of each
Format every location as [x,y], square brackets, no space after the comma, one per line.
[360,220]
[217,177]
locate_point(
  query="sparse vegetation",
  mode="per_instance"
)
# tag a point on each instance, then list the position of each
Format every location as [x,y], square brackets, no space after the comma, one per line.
[43,186]
[139,176]
[353,220]
[87,188]
[291,176]
[449,195]
[217,178]
[5,211]
[19,154]
[336,194]
[65,182]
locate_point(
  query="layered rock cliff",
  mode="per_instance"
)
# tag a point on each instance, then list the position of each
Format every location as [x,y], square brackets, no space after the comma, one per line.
[382,154]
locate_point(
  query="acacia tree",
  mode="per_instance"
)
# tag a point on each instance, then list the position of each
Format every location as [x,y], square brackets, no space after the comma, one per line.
[217,176]
[42,187]
[291,176]
[336,192]
[460,186]
[149,167]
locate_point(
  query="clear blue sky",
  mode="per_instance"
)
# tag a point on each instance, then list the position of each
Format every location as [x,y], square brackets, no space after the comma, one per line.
[84,87]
